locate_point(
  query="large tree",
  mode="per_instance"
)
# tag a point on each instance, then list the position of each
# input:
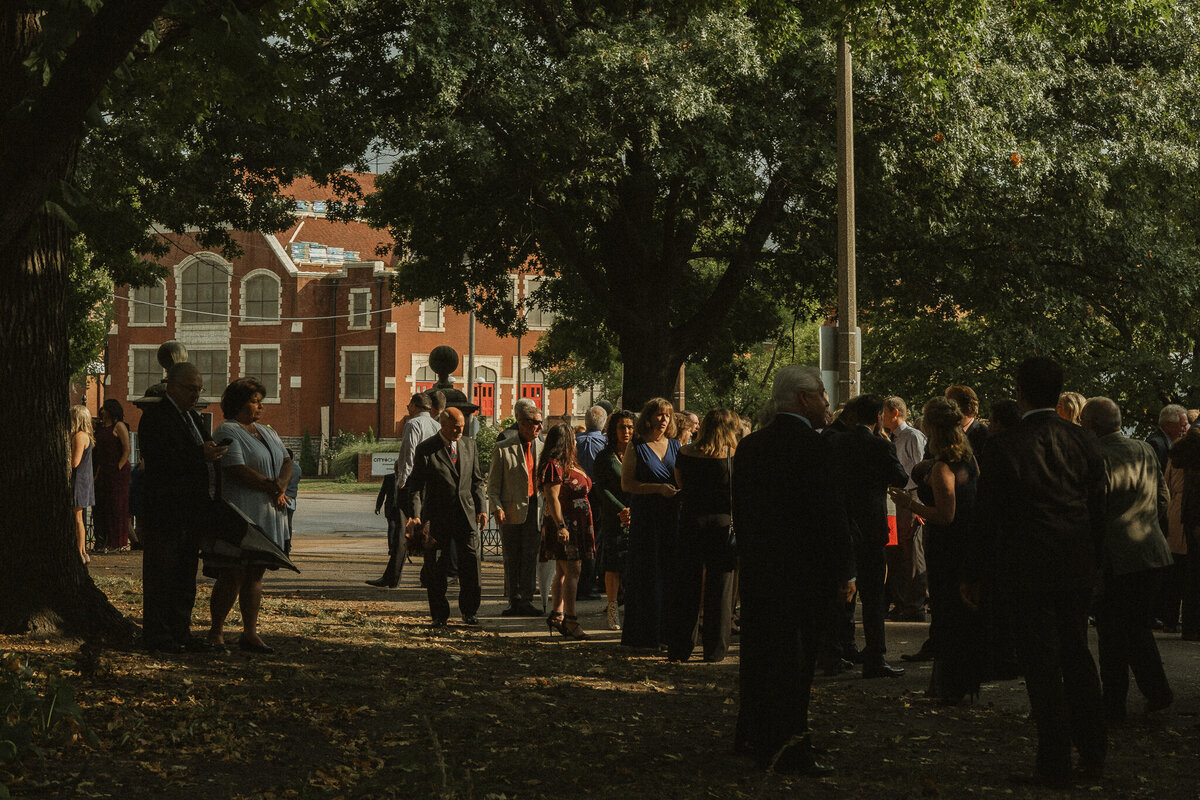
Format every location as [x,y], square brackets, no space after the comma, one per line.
[670,168]
[1066,224]
[117,119]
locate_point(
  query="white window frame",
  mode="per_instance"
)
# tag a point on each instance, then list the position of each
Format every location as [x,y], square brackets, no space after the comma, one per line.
[366,314]
[441,309]
[278,367]
[374,398]
[213,323]
[212,393]
[135,302]
[244,312]
[134,391]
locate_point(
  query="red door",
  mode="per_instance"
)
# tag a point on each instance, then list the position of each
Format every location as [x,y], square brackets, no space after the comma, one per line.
[424,386]
[485,399]
[533,391]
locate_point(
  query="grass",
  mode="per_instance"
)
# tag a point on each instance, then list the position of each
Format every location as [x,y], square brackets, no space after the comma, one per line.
[334,486]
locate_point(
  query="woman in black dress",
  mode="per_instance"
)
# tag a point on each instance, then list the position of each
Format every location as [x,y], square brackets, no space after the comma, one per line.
[613,509]
[947,502]
[567,536]
[705,559]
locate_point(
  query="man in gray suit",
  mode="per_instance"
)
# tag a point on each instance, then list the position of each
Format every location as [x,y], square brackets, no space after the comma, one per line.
[1132,556]
[515,504]
[446,490]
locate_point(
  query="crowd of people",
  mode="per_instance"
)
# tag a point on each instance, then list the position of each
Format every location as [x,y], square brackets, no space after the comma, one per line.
[697,529]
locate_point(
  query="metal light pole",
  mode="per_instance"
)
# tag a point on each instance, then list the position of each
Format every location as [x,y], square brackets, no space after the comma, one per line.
[847,298]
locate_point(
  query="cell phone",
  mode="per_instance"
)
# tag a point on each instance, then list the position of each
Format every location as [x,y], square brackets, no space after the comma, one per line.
[225,442]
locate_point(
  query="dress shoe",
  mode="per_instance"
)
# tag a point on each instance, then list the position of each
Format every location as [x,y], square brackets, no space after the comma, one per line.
[881,669]
[852,654]
[800,760]
[470,619]
[512,611]
[1159,703]
[526,609]
[379,582]
[194,645]
[249,647]
[171,648]
[920,655]
[833,668]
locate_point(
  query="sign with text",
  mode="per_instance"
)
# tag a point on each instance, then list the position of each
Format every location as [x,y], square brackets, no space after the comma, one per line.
[383,463]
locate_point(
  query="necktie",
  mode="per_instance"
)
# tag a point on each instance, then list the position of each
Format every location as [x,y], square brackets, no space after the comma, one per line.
[453,452]
[529,465]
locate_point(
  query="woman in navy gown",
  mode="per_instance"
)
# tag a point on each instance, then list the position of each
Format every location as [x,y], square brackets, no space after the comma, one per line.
[648,474]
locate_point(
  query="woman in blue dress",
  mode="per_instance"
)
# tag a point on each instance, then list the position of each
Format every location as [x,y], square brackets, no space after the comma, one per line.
[648,474]
[256,471]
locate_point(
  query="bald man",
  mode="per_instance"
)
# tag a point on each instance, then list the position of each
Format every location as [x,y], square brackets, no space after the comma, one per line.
[447,492]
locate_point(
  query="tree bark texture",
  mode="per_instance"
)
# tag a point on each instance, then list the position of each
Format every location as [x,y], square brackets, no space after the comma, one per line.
[41,573]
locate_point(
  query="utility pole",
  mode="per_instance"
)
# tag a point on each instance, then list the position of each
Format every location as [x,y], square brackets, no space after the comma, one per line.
[847,340]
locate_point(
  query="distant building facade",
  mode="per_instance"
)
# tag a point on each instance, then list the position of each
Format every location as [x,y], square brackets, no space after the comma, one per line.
[308,312]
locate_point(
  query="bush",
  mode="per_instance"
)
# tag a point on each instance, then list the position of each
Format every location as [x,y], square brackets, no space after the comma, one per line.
[345,459]
[308,456]
[485,441]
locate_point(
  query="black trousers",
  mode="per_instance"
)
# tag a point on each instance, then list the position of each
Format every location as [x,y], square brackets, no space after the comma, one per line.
[1126,640]
[1190,590]
[170,555]
[872,593]
[397,550]
[778,655]
[519,547]
[704,565]
[1060,676]
[437,564]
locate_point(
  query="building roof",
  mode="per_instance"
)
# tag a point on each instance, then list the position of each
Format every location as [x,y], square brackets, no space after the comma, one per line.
[312,226]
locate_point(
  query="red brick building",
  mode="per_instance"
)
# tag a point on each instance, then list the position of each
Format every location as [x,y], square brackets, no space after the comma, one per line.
[308,312]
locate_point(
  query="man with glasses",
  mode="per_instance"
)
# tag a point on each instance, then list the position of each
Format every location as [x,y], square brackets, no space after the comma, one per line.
[178,457]
[515,503]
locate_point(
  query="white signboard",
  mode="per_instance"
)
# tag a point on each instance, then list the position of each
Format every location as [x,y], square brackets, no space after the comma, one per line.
[383,463]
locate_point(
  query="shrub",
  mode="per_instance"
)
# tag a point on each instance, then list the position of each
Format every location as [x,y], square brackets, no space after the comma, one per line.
[29,716]
[308,456]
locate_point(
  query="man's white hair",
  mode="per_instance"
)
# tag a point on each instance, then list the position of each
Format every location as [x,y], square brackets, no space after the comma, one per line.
[595,418]
[1169,413]
[793,379]
[524,408]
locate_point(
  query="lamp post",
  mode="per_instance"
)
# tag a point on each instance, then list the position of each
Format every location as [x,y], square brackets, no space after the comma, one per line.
[847,340]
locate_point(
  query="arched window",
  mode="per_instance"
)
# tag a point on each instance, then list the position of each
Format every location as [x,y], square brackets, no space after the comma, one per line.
[485,391]
[205,298]
[261,299]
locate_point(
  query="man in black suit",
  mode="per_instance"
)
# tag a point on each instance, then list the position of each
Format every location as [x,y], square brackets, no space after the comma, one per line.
[446,490]
[1041,496]
[868,465]
[178,455]
[794,546]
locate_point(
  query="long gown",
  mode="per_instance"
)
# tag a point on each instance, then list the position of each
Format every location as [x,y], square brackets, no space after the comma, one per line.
[958,631]
[112,491]
[653,537]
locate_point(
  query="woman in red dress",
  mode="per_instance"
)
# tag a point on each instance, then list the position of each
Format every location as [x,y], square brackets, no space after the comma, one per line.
[112,479]
[567,535]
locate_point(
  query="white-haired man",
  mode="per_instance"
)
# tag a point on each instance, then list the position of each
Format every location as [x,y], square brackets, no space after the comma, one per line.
[1172,425]
[515,504]
[794,543]
[1131,557]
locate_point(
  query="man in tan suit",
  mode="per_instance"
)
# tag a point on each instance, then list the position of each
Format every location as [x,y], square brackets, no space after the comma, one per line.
[514,500]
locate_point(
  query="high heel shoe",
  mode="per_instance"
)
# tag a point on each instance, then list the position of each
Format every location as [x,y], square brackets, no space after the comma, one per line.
[614,622]
[554,623]
[571,629]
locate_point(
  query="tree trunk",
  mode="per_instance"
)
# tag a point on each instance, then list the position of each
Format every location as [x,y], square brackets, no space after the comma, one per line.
[650,366]
[41,575]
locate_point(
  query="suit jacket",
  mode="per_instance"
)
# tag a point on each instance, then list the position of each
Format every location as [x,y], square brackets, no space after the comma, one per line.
[448,496]
[867,466]
[386,499]
[793,537]
[176,481]
[1161,445]
[1041,501]
[1135,498]
[508,480]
